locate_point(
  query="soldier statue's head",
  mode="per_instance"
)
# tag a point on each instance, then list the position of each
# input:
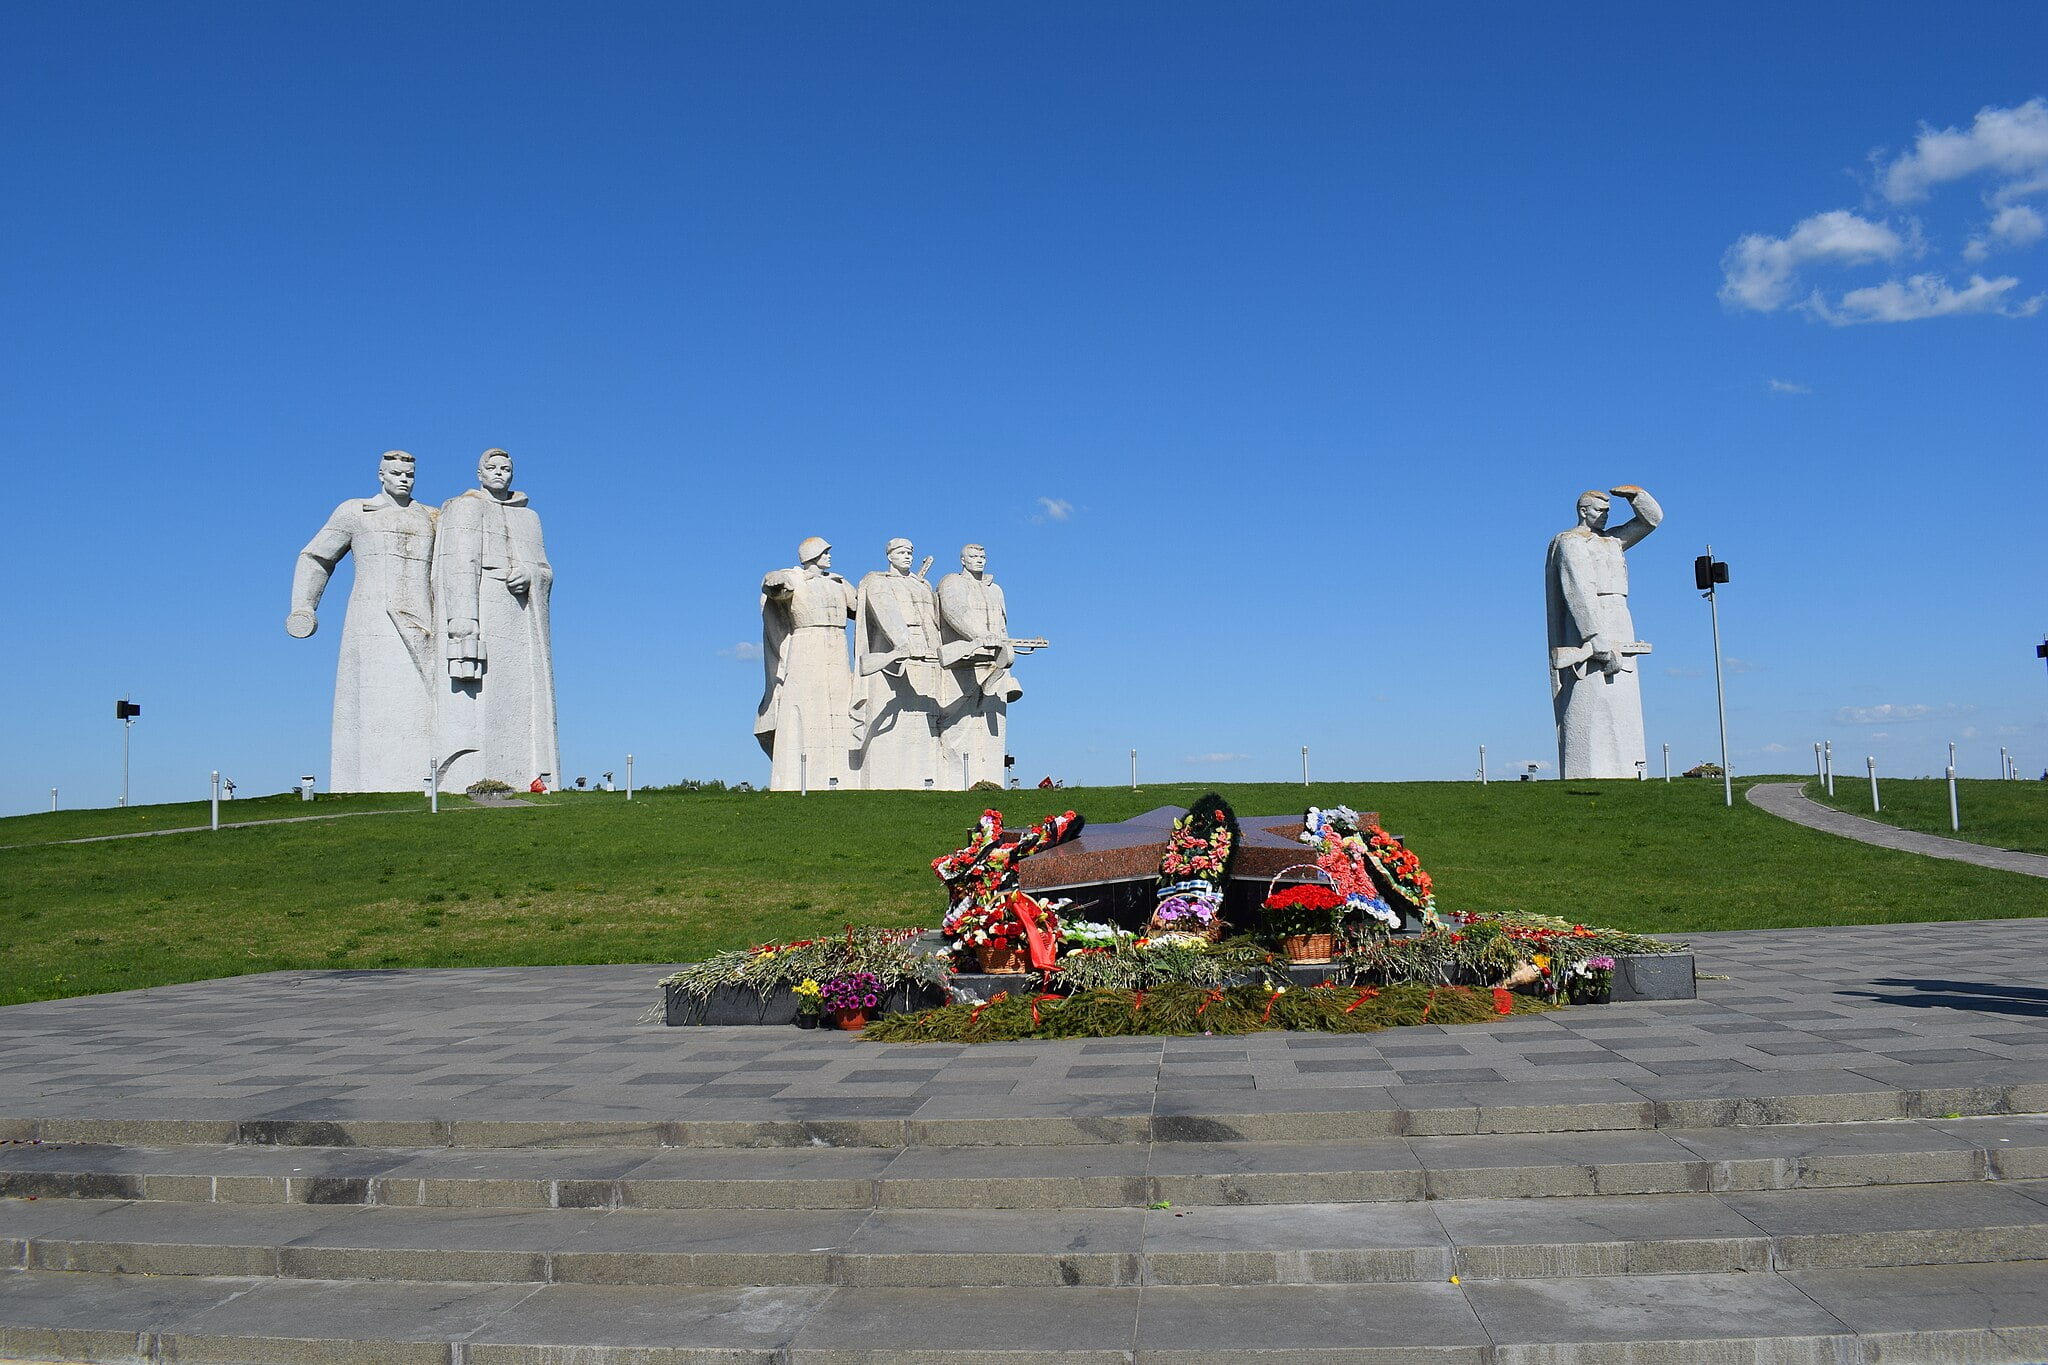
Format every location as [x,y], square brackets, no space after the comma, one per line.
[395,472]
[815,550]
[1593,506]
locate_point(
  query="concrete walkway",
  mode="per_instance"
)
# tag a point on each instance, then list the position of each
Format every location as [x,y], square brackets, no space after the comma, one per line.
[1877,1011]
[1788,801]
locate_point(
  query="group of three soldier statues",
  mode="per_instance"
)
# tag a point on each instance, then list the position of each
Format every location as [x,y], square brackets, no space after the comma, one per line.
[923,704]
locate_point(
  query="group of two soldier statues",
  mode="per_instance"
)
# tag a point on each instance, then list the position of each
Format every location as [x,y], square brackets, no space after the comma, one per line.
[445,662]
[924,703]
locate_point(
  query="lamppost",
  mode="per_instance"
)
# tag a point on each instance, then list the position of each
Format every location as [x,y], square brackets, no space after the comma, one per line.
[1707,573]
[126,711]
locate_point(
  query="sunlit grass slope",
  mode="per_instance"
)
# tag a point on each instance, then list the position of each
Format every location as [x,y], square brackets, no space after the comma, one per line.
[669,877]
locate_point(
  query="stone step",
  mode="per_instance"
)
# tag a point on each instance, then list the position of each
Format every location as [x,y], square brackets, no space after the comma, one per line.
[1102,1175]
[1334,1111]
[1568,1236]
[1983,1314]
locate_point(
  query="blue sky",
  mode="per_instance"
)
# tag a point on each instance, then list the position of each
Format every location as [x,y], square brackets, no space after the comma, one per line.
[1264,346]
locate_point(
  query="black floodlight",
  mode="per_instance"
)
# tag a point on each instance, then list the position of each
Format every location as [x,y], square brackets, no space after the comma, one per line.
[1707,571]
[127,710]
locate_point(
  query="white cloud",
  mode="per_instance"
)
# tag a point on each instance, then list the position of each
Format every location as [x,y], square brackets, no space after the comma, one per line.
[1775,749]
[1969,732]
[1735,665]
[1786,386]
[1924,296]
[745,649]
[1674,671]
[1760,272]
[2011,227]
[1215,758]
[2010,143]
[1054,509]
[1892,713]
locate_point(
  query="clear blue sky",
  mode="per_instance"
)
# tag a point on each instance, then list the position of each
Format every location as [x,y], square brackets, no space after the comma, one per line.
[1264,345]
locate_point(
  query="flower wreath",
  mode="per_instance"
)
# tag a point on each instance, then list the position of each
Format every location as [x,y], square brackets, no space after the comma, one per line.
[1351,853]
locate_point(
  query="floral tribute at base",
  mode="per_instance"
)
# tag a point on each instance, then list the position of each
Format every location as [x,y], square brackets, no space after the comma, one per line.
[1194,1010]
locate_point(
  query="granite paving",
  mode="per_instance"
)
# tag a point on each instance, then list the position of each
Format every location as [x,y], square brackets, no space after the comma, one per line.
[1849,1010]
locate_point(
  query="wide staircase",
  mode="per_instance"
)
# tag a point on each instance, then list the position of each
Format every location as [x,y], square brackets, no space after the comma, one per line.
[1716,1232]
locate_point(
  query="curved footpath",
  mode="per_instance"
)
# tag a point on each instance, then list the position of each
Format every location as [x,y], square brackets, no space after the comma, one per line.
[1836,1154]
[1789,801]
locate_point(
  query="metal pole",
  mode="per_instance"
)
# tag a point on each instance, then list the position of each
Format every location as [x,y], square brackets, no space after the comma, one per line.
[629,777]
[803,774]
[1134,770]
[1667,763]
[127,724]
[1820,774]
[1871,763]
[2004,766]
[1482,765]
[964,783]
[433,787]
[1720,695]
[216,802]
[53,798]
[1955,819]
[1827,749]
[1304,765]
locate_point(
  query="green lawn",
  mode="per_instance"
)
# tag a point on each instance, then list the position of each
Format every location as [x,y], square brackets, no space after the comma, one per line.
[2002,814]
[670,877]
[51,826]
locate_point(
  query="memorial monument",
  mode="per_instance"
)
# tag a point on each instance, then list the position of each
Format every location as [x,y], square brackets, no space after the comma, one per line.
[385,678]
[896,654]
[492,582]
[805,720]
[1595,690]
[976,654]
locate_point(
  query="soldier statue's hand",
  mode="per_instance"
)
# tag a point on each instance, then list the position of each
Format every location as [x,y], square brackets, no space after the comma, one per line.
[301,624]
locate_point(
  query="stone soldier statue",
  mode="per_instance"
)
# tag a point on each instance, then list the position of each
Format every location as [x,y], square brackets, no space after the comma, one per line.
[977,654]
[806,710]
[1595,690]
[492,584]
[896,653]
[384,679]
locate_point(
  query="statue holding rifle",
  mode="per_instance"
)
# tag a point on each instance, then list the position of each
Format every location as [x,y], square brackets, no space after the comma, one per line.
[1595,690]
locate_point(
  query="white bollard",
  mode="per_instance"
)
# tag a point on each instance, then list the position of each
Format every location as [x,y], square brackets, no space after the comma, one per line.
[53,798]
[629,777]
[216,802]
[1955,819]
[1482,767]
[1828,754]
[1871,763]
[1134,770]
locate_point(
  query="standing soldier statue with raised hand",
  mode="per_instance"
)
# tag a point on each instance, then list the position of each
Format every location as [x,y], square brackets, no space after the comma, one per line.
[1595,690]
[385,678]
[805,720]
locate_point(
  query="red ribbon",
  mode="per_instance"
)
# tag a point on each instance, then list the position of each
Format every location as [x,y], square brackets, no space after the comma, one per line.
[1428,1005]
[1039,947]
[1365,994]
[999,995]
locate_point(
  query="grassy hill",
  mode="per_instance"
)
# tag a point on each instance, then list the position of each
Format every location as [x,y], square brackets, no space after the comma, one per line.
[671,876]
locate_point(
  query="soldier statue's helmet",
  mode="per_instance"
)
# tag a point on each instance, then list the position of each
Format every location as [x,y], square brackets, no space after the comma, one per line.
[812,547]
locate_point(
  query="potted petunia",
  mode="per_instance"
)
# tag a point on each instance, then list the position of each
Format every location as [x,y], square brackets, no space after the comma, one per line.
[808,1005]
[849,998]
[1304,919]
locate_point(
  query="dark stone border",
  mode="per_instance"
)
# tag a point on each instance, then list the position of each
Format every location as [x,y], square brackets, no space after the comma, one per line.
[1637,976]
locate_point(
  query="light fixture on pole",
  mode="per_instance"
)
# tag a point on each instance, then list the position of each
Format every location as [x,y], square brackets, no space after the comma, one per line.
[1708,573]
[1482,765]
[125,711]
